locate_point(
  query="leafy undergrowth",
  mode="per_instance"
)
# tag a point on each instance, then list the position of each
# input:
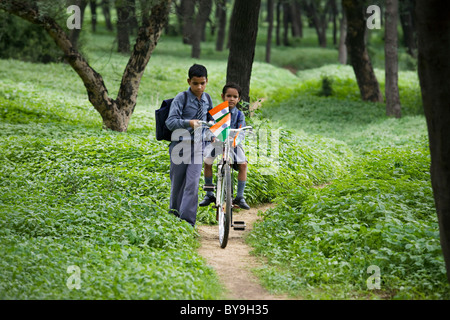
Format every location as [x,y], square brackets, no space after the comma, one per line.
[95,200]
[325,243]
[342,115]
[320,242]
[72,194]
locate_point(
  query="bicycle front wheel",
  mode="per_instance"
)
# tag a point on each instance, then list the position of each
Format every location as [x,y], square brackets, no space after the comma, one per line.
[224,207]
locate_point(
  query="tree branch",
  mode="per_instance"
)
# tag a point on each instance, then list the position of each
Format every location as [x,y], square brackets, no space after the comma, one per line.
[147,39]
[93,81]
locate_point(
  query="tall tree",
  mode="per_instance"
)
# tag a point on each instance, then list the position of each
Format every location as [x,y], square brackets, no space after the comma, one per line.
[107,14]
[286,19]
[269,29]
[357,50]
[334,14]
[433,33]
[342,38]
[407,21]
[317,15]
[297,28]
[188,10]
[278,17]
[221,7]
[243,32]
[115,113]
[393,107]
[123,25]
[93,6]
[204,10]
[75,33]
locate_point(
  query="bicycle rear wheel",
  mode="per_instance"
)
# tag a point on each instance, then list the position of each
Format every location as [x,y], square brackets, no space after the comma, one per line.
[224,208]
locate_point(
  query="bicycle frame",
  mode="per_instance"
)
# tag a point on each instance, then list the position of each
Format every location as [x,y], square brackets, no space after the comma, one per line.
[224,188]
[226,159]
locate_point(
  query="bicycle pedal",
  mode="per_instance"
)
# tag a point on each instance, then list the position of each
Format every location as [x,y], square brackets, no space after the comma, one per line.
[209,187]
[239,225]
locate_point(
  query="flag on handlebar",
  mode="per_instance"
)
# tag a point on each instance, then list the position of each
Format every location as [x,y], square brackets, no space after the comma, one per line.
[236,140]
[219,111]
[222,128]
[221,114]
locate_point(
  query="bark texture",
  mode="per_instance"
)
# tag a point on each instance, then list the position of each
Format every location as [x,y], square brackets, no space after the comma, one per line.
[357,50]
[115,113]
[243,32]
[433,31]
[393,107]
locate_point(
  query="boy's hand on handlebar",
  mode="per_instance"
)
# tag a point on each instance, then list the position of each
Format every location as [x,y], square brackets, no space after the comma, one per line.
[194,123]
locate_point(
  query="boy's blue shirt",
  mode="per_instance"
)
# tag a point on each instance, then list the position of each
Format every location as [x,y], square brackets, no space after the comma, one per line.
[179,116]
[237,118]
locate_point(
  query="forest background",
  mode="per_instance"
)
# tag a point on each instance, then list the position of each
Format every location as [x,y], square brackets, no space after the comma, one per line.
[75,195]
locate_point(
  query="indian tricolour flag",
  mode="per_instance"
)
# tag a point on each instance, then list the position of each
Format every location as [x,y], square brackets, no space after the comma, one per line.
[219,111]
[221,128]
[221,115]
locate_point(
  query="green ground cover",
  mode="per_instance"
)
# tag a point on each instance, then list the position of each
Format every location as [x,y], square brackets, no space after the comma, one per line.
[320,242]
[72,194]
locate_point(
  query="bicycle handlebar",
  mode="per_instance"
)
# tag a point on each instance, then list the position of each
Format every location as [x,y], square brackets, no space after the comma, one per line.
[240,129]
[204,123]
[209,125]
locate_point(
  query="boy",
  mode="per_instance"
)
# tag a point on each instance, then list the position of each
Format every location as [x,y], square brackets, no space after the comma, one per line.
[185,150]
[231,92]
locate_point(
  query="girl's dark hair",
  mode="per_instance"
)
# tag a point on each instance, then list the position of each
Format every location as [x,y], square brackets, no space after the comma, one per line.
[197,70]
[232,85]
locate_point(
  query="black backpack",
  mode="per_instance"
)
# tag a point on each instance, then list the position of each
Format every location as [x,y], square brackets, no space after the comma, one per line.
[161,114]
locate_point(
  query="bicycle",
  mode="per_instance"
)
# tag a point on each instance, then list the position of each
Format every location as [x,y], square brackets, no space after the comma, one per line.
[224,195]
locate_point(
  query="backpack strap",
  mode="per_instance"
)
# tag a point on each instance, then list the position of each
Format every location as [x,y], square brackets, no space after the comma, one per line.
[185,99]
[208,115]
[209,99]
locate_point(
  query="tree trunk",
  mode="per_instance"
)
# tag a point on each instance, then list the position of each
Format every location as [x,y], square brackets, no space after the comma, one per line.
[342,38]
[222,12]
[107,14]
[319,21]
[75,33]
[393,107]
[277,29]
[365,76]
[188,20]
[286,18]
[334,14]
[93,6]
[433,33]
[296,19]
[200,23]
[123,32]
[133,23]
[406,11]
[269,30]
[115,113]
[243,32]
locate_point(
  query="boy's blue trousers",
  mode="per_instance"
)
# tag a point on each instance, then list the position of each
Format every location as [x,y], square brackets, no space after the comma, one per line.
[186,160]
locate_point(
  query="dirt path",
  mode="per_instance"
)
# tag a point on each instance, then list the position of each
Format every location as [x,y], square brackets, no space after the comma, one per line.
[234,263]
